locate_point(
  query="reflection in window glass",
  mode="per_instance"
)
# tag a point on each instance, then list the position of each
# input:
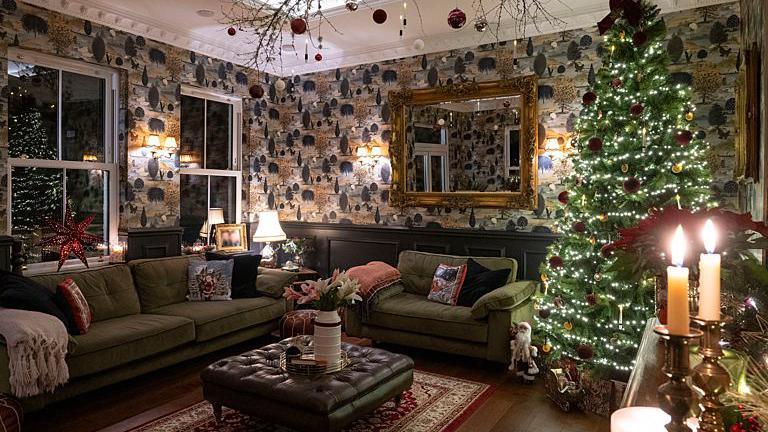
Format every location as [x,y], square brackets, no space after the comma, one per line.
[218,135]
[418,173]
[82,117]
[223,195]
[192,131]
[436,173]
[194,206]
[32,111]
[36,197]
[86,192]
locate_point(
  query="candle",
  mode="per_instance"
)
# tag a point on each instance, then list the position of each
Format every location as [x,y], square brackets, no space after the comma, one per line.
[709,275]
[621,314]
[677,287]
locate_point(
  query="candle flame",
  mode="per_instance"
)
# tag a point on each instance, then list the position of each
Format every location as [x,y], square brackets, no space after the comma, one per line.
[677,247]
[709,236]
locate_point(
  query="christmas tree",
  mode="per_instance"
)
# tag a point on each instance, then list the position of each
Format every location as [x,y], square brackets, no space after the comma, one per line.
[635,152]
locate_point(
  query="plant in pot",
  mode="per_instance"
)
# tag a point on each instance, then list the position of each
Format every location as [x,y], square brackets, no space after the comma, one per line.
[328,296]
[296,248]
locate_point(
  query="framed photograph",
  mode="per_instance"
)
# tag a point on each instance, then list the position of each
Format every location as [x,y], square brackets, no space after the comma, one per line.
[231,238]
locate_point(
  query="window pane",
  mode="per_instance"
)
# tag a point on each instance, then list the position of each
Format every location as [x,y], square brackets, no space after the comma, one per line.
[192,131]
[83,104]
[194,206]
[436,171]
[36,197]
[86,194]
[219,136]
[418,173]
[32,111]
[223,195]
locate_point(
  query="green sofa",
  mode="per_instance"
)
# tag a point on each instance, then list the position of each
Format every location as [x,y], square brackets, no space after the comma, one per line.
[401,314]
[142,322]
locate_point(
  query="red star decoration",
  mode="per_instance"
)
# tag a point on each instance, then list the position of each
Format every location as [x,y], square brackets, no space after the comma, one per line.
[70,237]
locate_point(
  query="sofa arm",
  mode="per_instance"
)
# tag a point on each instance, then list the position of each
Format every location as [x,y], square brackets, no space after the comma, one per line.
[504,298]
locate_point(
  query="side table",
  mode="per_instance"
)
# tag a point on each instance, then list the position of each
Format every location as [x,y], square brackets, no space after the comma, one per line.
[304,274]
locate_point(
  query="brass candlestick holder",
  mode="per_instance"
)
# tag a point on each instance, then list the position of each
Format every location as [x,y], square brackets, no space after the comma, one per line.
[710,376]
[675,397]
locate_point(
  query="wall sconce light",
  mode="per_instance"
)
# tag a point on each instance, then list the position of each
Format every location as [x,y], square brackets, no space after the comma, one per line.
[90,157]
[370,150]
[153,140]
[185,158]
[170,143]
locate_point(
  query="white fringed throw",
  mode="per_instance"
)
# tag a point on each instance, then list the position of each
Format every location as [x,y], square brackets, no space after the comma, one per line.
[37,346]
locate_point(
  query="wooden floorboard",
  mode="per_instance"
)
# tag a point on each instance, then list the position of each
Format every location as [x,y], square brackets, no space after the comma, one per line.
[513,407]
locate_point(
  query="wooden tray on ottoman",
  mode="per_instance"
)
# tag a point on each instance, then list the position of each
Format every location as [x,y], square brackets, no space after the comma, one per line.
[253,383]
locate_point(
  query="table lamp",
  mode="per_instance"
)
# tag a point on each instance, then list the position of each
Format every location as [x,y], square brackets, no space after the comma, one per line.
[268,230]
[215,216]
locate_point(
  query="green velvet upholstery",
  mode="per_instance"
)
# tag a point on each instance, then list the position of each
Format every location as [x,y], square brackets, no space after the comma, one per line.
[162,281]
[118,341]
[506,297]
[272,282]
[418,268]
[216,318]
[108,289]
[412,312]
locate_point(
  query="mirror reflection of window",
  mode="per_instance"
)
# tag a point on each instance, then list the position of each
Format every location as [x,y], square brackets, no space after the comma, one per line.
[437,173]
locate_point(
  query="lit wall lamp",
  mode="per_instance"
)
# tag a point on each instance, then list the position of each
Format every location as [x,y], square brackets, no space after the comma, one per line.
[90,157]
[165,148]
[185,158]
[371,150]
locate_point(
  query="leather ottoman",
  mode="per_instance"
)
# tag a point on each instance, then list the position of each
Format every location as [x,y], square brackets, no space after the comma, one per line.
[297,322]
[254,384]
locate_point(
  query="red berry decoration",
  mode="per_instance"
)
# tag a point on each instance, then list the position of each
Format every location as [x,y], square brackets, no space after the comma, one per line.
[256,91]
[556,262]
[636,109]
[607,250]
[563,197]
[457,18]
[298,26]
[735,428]
[616,83]
[379,16]
[589,98]
[231,31]
[318,56]
[595,144]
[585,351]
[684,137]
[544,313]
[631,185]
[579,227]
[639,39]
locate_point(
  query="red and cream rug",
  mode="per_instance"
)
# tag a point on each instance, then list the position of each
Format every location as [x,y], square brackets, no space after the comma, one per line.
[435,403]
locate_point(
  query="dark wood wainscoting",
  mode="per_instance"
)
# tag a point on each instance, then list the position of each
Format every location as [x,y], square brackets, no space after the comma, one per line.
[343,246]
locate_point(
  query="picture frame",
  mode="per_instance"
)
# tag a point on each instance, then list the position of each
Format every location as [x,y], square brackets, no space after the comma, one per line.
[231,238]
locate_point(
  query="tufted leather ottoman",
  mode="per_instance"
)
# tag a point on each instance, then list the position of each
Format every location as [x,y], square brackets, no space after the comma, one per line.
[254,384]
[297,322]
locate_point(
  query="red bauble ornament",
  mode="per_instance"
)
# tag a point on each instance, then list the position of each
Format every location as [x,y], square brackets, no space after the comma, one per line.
[379,16]
[585,351]
[636,109]
[556,262]
[735,428]
[631,185]
[544,313]
[298,26]
[256,91]
[589,98]
[231,31]
[639,38]
[579,227]
[318,56]
[683,137]
[70,236]
[607,250]
[616,83]
[591,299]
[595,144]
[563,197]
[457,18]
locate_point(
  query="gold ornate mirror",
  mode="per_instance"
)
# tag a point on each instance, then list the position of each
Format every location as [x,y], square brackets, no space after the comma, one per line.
[465,145]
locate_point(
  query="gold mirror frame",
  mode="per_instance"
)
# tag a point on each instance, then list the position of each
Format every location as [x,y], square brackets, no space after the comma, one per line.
[400,100]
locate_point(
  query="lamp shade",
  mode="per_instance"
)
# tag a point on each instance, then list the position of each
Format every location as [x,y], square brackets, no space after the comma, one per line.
[170,143]
[153,140]
[215,216]
[204,229]
[269,228]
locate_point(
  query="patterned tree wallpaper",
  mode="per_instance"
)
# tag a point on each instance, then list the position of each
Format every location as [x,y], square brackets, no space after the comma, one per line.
[299,144]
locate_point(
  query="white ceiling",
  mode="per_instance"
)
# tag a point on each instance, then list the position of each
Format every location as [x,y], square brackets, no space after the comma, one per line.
[359,40]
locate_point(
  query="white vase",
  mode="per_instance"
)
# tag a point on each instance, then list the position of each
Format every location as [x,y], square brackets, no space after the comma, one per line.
[327,338]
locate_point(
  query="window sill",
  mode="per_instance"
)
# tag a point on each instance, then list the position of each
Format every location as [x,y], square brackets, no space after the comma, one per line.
[69,266]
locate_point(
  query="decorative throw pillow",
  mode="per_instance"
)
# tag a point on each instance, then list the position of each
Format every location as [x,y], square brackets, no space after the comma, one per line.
[446,284]
[19,292]
[75,301]
[210,280]
[243,273]
[480,281]
[272,282]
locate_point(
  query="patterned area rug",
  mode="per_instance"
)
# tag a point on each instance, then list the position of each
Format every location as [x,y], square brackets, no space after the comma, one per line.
[435,403]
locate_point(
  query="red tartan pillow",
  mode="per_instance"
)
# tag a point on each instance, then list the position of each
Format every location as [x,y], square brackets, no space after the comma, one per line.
[77,304]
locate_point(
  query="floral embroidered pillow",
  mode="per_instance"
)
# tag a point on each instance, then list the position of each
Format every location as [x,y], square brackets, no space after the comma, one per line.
[210,280]
[447,283]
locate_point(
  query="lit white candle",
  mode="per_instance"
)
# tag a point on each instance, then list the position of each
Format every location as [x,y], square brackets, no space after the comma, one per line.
[678,318]
[709,275]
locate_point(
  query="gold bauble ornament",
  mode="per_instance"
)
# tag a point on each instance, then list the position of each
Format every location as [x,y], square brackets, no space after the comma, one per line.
[624,168]
[677,168]
[568,325]
[592,240]
[602,217]
[689,116]
[546,348]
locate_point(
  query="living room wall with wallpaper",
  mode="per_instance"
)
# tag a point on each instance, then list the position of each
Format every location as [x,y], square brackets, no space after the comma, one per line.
[302,143]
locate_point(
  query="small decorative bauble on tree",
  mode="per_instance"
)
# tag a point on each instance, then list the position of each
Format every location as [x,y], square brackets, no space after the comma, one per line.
[556,262]
[585,351]
[689,116]
[631,185]
[684,137]
[379,16]
[625,168]
[677,168]
[580,227]
[639,38]
[595,144]
[457,18]
[256,91]
[589,98]
[616,83]
[231,31]
[563,197]
[298,26]
[636,109]
[568,325]
[607,250]
[69,236]
[318,57]
[544,313]
[591,299]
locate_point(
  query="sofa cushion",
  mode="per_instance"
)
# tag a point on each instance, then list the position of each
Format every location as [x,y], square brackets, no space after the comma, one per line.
[244,272]
[272,282]
[114,342]
[19,292]
[109,289]
[414,313]
[479,282]
[417,268]
[162,281]
[210,280]
[213,319]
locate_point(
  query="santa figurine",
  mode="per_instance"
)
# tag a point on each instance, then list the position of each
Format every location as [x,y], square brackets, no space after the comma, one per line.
[523,352]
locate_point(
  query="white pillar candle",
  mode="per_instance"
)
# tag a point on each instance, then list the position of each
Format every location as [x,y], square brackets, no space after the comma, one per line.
[678,318]
[709,276]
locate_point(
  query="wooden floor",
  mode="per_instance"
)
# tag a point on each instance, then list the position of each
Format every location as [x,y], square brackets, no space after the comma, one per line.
[513,407]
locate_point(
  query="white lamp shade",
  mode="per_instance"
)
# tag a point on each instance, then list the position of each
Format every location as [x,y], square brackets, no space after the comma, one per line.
[204,229]
[170,142]
[269,228]
[215,216]
[153,140]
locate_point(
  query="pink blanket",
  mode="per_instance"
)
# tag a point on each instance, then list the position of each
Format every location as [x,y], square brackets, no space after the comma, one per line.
[373,277]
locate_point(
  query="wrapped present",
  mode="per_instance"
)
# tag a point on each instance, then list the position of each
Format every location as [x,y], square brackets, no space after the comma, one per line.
[563,388]
[601,396]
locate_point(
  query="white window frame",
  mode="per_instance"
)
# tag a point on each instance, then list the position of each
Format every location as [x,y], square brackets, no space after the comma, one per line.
[111,151]
[236,133]
[427,150]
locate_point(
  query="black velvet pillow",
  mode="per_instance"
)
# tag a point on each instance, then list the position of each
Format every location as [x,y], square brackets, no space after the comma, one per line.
[19,292]
[244,273]
[480,281]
